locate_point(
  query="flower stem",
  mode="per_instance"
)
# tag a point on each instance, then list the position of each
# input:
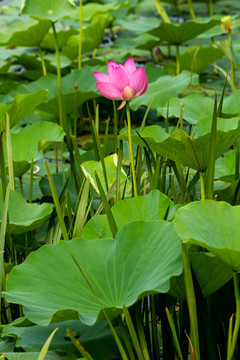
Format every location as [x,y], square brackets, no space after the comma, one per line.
[177,60]
[202,186]
[131,149]
[61,113]
[191,300]
[231,350]
[42,61]
[80,35]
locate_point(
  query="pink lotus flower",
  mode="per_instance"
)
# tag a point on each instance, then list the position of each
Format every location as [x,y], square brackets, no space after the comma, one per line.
[122,82]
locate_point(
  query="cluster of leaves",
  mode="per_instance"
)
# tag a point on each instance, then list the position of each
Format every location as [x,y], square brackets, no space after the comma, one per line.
[87,269]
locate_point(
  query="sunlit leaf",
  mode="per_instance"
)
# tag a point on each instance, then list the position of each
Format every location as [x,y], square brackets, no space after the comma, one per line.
[142,259]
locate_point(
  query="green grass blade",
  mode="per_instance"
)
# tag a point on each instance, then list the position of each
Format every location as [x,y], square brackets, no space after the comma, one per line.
[209,183]
[133,334]
[31,182]
[44,350]
[81,211]
[9,154]
[174,334]
[107,208]
[100,152]
[56,202]
[141,333]
[161,11]
[95,147]
[78,346]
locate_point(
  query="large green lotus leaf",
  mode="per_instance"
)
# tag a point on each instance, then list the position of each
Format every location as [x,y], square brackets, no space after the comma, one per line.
[164,88]
[26,34]
[140,261]
[177,34]
[47,9]
[91,10]
[153,206]
[32,141]
[210,271]
[86,90]
[225,167]
[91,38]
[143,41]
[203,58]
[195,107]
[20,107]
[97,339]
[231,103]
[24,217]
[190,151]
[89,168]
[138,25]
[214,226]
[62,35]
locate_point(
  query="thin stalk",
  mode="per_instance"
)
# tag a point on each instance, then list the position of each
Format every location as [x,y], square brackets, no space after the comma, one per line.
[232,61]
[101,51]
[61,112]
[237,159]
[133,334]
[2,241]
[174,334]
[75,110]
[42,61]
[161,11]
[202,185]
[141,333]
[237,321]
[31,182]
[131,149]
[115,127]
[2,166]
[181,115]
[56,202]
[210,7]
[192,14]
[9,154]
[21,186]
[191,300]
[146,113]
[177,60]
[80,35]
[154,329]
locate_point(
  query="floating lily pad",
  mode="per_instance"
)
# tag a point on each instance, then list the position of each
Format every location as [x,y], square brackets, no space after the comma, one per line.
[97,339]
[163,89]
[142,259]
[197,59]
[177,34]
[86,90]
[210,271]
[89,168]
[196,107]
[214,226]
[20,107]
[33,141]
[91,38]
[153,206]
[47,9]
[190,151]
[25,34]
[24,217]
